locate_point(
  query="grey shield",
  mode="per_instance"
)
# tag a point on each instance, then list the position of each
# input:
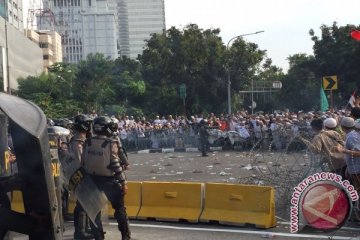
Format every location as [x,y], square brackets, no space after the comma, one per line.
[87,193]
[31,145]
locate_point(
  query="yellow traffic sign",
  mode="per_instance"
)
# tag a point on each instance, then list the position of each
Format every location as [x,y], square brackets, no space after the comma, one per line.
[330,82]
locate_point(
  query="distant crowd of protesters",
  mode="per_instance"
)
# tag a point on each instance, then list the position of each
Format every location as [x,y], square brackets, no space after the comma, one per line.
[179,131]
[239,128]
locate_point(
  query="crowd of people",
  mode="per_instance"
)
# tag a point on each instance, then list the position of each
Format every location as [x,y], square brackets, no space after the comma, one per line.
[238,129]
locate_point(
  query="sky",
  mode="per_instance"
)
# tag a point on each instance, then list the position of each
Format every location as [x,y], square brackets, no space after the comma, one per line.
[286,23]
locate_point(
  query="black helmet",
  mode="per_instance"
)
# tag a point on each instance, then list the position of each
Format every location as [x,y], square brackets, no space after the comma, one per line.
[82,123]
[114,124]
[64,122]
[102,125]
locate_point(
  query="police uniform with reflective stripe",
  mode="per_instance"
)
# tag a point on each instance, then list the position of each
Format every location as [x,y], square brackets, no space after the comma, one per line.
[76,145]
[101,161]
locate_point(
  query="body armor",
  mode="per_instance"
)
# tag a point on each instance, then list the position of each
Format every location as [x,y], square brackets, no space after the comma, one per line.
[96,157]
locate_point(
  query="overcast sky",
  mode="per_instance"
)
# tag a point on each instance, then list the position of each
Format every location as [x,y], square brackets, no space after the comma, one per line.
[286,22]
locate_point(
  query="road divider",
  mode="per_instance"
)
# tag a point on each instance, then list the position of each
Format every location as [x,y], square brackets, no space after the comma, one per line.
[132,200]
[237,204]
[230,204]
[171,201]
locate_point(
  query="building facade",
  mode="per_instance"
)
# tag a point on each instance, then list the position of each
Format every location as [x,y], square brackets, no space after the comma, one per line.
[137,20]
[111,27]
[24,58]
[85,26]
[50,43]
[12,10]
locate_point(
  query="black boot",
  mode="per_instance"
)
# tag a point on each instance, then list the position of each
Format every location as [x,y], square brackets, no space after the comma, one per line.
[80,226]
[83,235]
[98,235]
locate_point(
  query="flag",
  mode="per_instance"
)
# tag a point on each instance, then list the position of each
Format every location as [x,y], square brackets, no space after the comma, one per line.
[324,105]
[355,34]
[352,99]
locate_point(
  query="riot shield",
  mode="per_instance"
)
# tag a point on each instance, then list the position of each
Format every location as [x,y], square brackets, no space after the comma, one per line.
[31,146]
[4,151]
[76,178]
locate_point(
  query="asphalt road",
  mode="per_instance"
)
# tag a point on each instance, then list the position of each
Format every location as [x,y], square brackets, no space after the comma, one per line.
[147,230]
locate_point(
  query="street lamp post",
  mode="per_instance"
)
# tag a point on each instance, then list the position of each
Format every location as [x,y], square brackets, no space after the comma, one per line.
[228,70]
[8,89]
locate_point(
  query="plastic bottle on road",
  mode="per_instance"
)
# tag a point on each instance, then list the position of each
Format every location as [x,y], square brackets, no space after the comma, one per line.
[268,235]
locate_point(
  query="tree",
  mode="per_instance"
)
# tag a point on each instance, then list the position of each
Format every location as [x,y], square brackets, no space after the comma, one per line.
[93,83]
[336,53]
[45,91]
[191,56]
[268,73]
[300,87]
[127,81]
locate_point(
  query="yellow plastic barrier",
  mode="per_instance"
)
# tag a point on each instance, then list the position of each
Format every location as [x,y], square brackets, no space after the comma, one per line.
[237,204]
[17,203]
[132,200]
[171,201]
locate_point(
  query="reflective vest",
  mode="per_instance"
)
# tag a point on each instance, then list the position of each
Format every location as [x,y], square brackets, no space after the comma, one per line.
[96,156]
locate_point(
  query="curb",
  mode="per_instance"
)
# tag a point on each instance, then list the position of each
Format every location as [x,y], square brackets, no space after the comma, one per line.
[171,150]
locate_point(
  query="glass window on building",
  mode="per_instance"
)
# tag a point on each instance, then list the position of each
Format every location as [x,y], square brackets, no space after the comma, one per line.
[44,45]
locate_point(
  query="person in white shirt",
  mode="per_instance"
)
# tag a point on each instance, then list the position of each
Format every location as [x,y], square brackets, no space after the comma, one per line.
[157,120]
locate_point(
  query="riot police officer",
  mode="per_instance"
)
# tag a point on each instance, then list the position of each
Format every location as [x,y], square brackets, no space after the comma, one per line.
[204,143]
[114,127]
[101,160]
[82,129]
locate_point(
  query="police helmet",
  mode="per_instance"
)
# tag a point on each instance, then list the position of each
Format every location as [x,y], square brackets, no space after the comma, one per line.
[82,123]
[64,122]
[102,125]
[50,122]
[114,124]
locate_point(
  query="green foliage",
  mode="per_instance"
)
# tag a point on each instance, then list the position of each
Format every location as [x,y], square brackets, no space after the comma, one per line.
[301,87]
[336,53]
[115,109]
[199,59]
[93,83]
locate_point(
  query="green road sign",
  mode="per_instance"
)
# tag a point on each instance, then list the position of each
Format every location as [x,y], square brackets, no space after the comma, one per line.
[182,91]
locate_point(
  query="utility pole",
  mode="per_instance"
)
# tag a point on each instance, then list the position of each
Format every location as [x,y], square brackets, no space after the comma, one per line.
[228,68]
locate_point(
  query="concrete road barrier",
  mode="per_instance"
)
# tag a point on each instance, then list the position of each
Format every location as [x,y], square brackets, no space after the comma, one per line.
[237,204]
[171,201]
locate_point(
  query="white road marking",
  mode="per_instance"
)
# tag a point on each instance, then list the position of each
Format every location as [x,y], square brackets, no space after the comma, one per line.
[235,231]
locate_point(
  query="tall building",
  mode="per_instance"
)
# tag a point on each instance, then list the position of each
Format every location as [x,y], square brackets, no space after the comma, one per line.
[111,27]
[137,20]
[50,43]
[12,11]
[85,26]
[24,57]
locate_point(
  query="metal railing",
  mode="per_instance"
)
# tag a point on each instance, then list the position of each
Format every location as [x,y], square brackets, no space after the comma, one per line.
[170,138]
